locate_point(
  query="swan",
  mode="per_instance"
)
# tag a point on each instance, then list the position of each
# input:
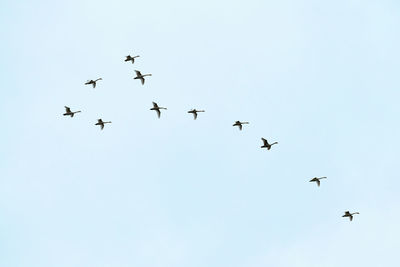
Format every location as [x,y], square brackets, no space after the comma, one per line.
[93,82]
[68,112]
[350,215]
[240,124]
[194,112]
[129,58]
[266,144]
[101,123]
[157,109]
[141,76]
[317,180]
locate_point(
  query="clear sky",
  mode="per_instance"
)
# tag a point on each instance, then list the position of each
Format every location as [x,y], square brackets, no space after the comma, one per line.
[319,77]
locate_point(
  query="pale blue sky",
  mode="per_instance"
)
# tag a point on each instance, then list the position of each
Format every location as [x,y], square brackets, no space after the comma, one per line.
[319,77]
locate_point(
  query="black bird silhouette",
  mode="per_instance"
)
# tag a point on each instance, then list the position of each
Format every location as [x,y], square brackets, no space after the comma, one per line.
[266,144]
[194,112]
[93,82]
[317,180]
[101,123]
[240,124]
[350,215]
[157,109]
[141,76]
[68,112]
[129,58]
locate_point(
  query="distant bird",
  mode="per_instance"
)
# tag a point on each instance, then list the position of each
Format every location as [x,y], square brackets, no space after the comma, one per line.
[316,179]
[157,109]
[68,112]
[140,76]
[194,112]
[240,123]
[266,144]
[350,215]
[93,82]
[129,58]
[101,123]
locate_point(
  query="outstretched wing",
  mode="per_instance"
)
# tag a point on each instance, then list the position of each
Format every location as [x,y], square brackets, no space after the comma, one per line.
[155,105]
[318,183]
[264,141]
[347,213]
[102,126]
[158,113]
[142,80]
[138,74]
[240,126]
[94,84]
[351,217]
[67,109]
[100,121]
[195,115]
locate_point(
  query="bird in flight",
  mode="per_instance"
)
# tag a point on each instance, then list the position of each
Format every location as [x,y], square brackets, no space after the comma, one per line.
[157,109]
[68,112]
[317,180]
[194,112]
[141,76]
[240,124]
[129,58]
[266,144]
[101,123]
[350,215]
[93,82]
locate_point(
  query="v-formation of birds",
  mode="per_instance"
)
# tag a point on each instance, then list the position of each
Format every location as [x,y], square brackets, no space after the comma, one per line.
[157,108]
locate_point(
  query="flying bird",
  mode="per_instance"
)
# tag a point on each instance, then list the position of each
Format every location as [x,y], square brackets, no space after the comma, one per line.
[93,82]
[129,58]
[266,144]
[141,76]
[157,109]
[317,180]
[194,112]
[350,215]
[68,112]
[240,124]
[101,123]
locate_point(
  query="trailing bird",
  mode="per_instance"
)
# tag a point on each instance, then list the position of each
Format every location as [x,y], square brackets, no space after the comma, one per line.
[266,144]
[101,123]
[157,109]
[129,58]
[350,215]
[317,180]
[194,112]
[68,112]
[93,82]
[140,76]
[240,123]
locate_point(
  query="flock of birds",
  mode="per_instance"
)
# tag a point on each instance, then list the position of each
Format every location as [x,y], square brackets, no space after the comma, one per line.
[158,109]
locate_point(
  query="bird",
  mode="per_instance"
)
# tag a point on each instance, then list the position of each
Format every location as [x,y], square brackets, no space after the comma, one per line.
[316,179]
[350,215]
[68,112]
[194,112]
[101,123]
[129,58]
[240,124]
[266,144]
[157,109]
[141,76]
[93,82]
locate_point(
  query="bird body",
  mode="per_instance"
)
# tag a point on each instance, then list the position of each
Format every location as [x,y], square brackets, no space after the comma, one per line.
[157,109]
[350,215]
[68,112]
[317,180]
[240,124]
[141,76]
[93,82]
[194,112]
[266,144]
[129,58]
[101,123]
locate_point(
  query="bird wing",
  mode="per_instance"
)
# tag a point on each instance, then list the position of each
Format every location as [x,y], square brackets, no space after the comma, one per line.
[142,80]
[67,109]
[94,84]
[240,127]
[158,113]
[351,217]
[138,74]
[264,141]
[318,183]
[155,105]
[347,213]
[195,115]
[100,121]
[102,126]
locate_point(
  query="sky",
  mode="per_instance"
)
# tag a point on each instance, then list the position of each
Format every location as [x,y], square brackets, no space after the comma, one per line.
[319,77]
